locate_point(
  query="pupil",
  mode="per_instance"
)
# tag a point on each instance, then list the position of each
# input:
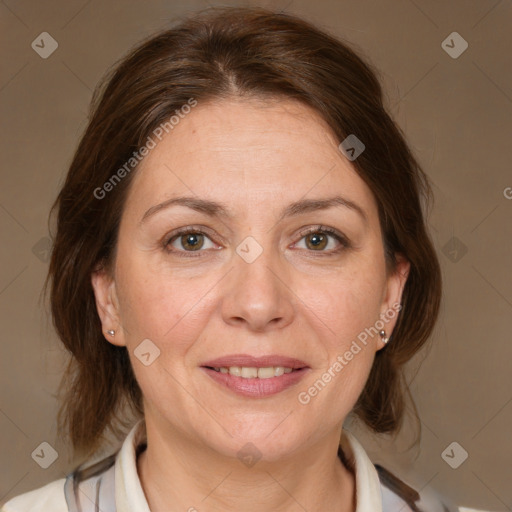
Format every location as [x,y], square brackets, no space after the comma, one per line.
[316,239]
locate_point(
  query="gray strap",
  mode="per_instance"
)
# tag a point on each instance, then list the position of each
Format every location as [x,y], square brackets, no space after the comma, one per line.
[92,489]
[71,495]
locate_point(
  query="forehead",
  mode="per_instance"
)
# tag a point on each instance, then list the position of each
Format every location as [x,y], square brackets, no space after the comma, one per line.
[245,153]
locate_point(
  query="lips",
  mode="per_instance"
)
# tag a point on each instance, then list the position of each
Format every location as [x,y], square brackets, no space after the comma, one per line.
[238,372]
[244,360]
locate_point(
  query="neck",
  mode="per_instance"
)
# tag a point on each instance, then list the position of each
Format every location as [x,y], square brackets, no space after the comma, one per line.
[179,475]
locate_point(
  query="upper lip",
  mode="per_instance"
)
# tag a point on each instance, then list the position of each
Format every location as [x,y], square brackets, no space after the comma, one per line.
[255,362]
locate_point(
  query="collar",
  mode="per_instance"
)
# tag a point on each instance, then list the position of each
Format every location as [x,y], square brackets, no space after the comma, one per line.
[130,496]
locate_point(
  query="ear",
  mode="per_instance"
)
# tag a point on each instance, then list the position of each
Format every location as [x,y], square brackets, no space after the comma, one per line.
[393,295]
[107,305]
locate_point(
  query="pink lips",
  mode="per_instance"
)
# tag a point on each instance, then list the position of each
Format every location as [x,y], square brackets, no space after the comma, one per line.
[256,388]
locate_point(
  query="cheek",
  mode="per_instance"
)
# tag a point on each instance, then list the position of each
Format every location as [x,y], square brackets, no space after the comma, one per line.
[344,309]
[346,303]
[158,305]
[348,350]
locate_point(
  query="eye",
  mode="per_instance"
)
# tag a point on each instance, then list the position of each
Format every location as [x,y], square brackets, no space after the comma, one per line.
[188,239]
[317,240]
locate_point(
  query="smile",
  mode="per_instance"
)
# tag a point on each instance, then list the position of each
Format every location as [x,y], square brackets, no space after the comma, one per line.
[251,372]
[255,382]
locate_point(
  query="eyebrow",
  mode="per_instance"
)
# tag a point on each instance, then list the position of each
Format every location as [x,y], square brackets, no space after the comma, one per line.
[220,210]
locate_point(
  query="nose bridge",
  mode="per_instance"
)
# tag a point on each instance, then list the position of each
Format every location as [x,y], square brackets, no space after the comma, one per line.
[257,293]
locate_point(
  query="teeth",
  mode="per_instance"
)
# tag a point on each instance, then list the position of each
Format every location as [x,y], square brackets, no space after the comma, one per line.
[235,370]
[248,373]
[278,371]
[252,372]
[265,373]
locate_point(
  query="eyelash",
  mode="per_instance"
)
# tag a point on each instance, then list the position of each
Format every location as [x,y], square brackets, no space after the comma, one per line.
[345,244]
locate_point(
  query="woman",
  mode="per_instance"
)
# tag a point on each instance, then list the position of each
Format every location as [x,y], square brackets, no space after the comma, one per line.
[242,259]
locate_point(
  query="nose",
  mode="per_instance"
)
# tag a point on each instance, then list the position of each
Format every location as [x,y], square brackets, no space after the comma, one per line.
[258,295]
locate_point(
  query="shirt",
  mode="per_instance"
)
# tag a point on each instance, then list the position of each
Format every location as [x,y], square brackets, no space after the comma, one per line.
[113,485]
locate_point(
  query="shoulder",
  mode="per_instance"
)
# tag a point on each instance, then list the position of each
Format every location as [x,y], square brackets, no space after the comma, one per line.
[84,489]
[376,485]
[49,497]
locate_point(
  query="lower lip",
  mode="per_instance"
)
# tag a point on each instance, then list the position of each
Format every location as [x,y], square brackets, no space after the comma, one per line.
[257,388]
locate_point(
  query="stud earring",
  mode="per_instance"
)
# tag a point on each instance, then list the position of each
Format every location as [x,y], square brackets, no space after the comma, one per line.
[383,336]
[111,332]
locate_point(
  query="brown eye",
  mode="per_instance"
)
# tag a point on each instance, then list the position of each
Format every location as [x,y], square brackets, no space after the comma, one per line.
[316,241]
[188,241]
[192,241]
[324,240]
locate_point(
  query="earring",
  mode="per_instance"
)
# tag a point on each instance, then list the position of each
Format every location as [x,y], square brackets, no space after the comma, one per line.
[383,336]
[111,332]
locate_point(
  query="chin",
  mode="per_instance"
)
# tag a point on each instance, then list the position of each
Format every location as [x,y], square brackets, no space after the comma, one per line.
[268,441]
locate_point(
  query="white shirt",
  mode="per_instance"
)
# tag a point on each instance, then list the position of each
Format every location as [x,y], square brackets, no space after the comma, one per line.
[118,489]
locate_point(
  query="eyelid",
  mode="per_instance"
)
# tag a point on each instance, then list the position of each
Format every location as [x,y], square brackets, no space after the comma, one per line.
[323,229]
[199,229]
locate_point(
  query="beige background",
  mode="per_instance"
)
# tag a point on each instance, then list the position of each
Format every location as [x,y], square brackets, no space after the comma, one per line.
[457,115]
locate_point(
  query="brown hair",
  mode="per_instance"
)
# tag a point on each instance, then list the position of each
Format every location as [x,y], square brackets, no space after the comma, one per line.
[215,54]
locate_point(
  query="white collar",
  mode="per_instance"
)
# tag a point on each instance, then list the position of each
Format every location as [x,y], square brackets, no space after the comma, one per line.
[130,495]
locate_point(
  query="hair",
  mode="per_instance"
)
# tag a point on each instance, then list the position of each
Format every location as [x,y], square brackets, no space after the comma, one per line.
[217,54]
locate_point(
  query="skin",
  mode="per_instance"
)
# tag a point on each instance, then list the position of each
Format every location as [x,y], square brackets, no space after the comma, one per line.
[295,300]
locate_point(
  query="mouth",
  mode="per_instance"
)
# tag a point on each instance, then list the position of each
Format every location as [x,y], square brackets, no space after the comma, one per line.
[252,372]
[256,377]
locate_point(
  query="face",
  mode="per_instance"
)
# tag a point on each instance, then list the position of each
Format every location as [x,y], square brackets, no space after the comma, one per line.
[281,265]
